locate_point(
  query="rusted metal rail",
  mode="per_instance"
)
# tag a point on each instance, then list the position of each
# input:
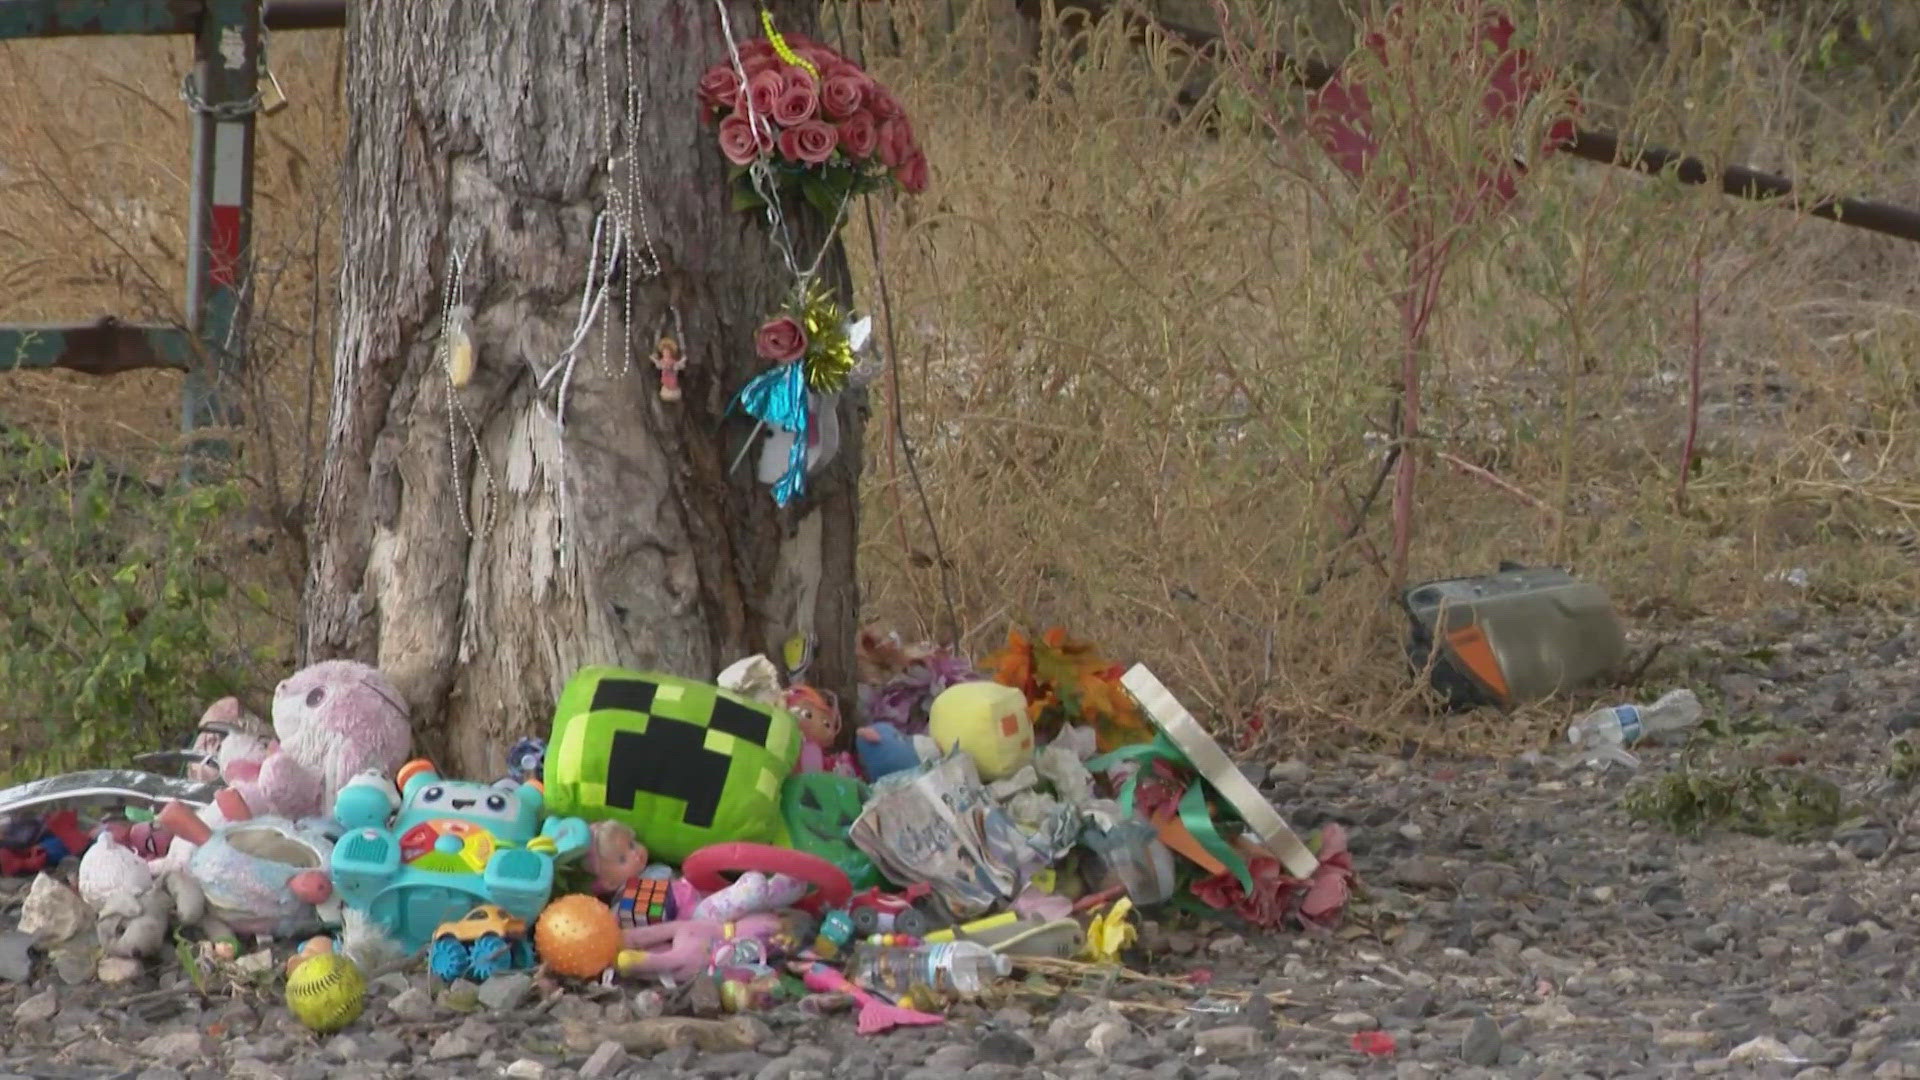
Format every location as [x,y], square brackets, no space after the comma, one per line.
[223,93]
[1602,147]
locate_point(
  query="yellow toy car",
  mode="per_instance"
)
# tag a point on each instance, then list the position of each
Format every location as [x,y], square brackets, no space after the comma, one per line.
[480,944]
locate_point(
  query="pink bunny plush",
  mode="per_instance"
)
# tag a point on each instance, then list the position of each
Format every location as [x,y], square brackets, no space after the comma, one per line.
[334,720]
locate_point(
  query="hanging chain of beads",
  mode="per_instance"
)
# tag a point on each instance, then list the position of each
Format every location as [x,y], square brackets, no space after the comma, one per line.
[455,354]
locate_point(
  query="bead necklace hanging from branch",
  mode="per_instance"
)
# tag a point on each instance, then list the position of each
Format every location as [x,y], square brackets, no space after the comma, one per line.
[794,116]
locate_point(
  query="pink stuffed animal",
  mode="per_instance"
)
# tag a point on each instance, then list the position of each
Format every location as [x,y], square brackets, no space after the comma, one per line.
[335,720]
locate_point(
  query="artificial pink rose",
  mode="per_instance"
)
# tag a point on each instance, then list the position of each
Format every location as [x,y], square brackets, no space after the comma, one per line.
[719,86]
[800,102]
[819,56]
[912,174]
[758,49]
[763,92]
[858,136]
[738,142]
[810,141]
[844,91]
[780,339]
[884,105]
[896,142]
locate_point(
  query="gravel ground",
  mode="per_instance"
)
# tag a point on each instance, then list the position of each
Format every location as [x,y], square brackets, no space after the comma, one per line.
[1516,923]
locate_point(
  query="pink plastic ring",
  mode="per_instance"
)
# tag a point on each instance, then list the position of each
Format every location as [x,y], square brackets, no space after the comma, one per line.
[707,868]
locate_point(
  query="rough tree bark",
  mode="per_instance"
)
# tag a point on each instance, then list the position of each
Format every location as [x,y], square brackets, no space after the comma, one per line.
[477,118]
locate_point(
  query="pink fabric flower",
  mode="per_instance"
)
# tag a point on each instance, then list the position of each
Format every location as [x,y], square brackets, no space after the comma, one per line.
[844,91]
[896,142]
[859,136]
[884,104]
[763,91]
[810,141]
[799,102]
[913,174]
[780,339]
[719,86]
[739,142]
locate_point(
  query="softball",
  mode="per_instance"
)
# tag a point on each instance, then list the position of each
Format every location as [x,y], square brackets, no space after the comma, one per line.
[326,992]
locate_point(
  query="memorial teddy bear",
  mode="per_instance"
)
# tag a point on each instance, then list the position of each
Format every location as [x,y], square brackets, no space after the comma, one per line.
[134,909]
[333,720]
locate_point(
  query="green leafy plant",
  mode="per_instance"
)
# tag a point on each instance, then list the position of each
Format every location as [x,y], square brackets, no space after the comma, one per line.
[111,610]
[1774,801]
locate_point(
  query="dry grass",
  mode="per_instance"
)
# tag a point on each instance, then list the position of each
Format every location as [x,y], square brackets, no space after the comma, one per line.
[1146,367]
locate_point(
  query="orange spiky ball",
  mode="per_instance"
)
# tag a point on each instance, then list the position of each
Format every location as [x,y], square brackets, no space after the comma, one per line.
[577,936]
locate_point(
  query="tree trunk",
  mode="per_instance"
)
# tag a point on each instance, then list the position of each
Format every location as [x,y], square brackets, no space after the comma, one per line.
[477,122]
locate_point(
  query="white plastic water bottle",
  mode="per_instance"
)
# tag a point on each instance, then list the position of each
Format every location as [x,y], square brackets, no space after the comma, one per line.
[1607,732]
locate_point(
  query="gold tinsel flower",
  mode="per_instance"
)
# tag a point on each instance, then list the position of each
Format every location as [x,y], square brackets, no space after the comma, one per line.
[829,357]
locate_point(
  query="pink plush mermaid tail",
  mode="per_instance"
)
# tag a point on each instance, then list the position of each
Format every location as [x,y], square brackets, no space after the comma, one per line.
[754,893]
[876,1016]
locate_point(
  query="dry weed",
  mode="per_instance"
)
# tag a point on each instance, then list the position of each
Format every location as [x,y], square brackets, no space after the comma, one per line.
[1147,365]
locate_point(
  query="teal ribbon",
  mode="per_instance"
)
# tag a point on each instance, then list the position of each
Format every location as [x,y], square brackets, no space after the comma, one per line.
[778,397]
[1193,804]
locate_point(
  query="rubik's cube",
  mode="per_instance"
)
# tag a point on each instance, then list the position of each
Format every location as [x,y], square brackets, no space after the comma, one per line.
[685,764]
[643,901]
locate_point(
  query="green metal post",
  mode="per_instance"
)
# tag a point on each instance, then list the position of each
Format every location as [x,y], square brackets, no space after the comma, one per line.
[225,99]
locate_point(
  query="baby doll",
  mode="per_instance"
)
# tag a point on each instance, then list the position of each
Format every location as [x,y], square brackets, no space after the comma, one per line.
[819,720]
[639,894]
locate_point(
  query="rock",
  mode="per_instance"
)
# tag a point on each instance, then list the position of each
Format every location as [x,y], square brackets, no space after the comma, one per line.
[1231,1040]
[1002,1047]
[525,1068]
[731,1064]
[1227,945]
[178,1048]
[606,1059]
[951,1059]
[1415,1004]
[1108,1036]
[1353,1020]
[505,991]
[1864,843]
[1290,771]
[117,970]
[412,1004]
[1420,872]
[253,1069]
[16,957]
[1482,1043]
[1844,910]
[53,912]
[75,961]
[1760,1048]
[37,1009]
[451,1045]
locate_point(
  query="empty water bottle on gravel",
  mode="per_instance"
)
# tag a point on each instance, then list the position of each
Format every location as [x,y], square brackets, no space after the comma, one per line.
[1604,734]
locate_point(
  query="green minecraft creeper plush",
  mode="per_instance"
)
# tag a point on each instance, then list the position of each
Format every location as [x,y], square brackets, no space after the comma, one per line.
[684,764]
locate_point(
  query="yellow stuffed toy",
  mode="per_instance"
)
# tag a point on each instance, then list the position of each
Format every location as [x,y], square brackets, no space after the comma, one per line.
[989,721]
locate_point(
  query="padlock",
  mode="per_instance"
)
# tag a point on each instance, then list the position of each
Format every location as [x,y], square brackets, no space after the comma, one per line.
[272,99]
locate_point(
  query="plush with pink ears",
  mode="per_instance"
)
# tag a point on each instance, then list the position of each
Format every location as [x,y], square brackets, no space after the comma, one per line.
[334,720]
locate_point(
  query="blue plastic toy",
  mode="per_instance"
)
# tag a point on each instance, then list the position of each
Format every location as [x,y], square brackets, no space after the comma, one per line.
[454,845]
[883,749]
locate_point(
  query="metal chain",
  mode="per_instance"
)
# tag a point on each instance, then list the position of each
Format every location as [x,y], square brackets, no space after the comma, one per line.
[225,111]
[454,316]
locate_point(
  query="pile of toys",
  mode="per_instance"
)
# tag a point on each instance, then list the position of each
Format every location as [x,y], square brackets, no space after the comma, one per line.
[671,831]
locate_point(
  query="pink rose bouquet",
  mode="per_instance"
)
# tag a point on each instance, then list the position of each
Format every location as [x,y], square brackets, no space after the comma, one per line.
[831,132]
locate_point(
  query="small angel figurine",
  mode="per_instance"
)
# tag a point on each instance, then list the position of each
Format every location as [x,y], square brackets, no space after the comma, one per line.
[667,358]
